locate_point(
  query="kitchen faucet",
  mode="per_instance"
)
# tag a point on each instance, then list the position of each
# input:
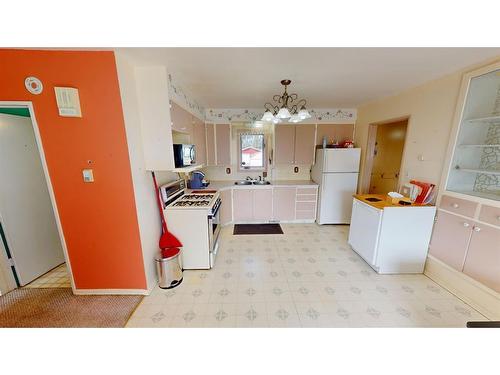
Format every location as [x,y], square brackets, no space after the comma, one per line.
[249,178]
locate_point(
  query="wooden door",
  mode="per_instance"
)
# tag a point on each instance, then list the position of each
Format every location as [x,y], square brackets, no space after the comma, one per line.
[450,239]
[210,129]
[223,144]
[284,144]
[200,141]
[304,144]
[284,203]
[262,204]
[226,208]
[483,258]
[242,205]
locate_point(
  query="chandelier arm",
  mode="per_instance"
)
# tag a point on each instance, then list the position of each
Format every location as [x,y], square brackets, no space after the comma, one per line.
[301,103]
[271,108]
[293,97]
[277,98]
[293,109]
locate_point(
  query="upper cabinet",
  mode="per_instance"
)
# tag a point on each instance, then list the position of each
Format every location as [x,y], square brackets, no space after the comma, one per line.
[199,140]
[294,144]
[474,169]
[223,144]
[304,144]
[155,121]
[182,120]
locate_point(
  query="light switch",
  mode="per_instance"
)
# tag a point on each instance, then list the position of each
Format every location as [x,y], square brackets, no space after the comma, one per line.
[88,175]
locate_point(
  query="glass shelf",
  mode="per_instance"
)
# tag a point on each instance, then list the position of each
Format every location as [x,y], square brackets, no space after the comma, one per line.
[483,145]
[482,171]
[485,120]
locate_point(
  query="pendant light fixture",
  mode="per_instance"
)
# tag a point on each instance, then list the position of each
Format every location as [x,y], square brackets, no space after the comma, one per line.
[283,107]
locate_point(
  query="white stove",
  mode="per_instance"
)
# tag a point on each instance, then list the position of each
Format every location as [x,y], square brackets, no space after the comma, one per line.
[193,217]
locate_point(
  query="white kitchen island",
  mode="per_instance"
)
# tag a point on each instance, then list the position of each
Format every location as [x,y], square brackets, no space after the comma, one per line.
[391,238]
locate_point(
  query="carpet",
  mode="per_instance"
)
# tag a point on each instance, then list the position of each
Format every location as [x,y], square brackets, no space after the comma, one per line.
[59,307]
[257,229]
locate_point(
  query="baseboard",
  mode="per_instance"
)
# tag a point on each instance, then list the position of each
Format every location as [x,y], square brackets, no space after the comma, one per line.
[84,292]
[480,297]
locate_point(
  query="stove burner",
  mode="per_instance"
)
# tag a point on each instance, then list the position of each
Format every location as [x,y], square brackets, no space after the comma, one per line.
[187,203]
[198,197]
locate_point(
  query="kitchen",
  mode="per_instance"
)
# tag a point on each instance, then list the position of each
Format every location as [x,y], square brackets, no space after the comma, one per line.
[283,186]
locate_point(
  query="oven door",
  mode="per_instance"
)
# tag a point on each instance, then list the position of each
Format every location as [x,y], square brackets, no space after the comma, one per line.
[214,231]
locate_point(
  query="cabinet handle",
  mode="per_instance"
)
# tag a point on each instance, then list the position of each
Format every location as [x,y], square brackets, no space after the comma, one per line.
[466,225]
[477,229]
[454,205]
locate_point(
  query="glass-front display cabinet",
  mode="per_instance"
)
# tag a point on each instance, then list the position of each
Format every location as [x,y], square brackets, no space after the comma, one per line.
[475,164]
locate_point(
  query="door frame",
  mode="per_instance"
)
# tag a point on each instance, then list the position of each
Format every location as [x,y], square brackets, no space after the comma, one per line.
[39,143]
[370,148]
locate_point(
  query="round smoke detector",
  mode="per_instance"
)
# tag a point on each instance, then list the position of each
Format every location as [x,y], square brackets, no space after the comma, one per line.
[33,85]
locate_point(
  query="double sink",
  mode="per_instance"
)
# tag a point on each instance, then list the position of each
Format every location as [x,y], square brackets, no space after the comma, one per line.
[247,182]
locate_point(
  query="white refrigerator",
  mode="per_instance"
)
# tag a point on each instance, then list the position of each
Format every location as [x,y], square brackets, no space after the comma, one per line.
[336,171]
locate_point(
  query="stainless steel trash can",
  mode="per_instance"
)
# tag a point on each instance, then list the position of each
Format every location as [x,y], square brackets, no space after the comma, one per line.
[169,270]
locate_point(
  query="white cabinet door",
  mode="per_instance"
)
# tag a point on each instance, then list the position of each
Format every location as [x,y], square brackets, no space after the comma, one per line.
[364,230]
[262,205]
[242,205]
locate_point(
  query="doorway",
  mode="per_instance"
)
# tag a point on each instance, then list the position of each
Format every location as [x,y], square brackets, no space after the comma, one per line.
[385,149]
[31,244]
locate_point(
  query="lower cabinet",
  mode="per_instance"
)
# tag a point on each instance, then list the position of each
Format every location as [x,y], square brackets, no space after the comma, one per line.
[252,204]
[450,239]
[284,203]
[242,205]
[468,246]
[483,257]
[263,204]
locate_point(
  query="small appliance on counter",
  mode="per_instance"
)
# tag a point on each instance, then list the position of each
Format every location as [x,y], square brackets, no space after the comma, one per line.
[184,155]
[197,180]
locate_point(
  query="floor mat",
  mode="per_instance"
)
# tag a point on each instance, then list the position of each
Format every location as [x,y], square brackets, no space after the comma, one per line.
[257,229]
[59,307]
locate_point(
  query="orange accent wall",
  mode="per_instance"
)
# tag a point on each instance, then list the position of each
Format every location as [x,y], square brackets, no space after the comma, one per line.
[99,219]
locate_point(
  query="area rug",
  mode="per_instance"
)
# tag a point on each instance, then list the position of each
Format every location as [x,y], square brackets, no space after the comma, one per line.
[257,229]
[59,307]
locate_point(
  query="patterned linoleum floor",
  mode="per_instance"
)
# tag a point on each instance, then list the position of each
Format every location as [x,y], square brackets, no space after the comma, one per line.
[56,278]
[307,277]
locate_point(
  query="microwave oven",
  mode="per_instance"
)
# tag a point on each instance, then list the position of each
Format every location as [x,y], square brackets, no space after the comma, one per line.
[184,155]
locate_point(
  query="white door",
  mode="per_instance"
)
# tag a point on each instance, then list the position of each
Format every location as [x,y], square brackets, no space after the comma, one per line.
[342,160]
[335,202]
[25,208]
[364,230]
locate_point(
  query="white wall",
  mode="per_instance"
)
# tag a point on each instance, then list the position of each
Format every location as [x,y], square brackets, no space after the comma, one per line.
[147,209]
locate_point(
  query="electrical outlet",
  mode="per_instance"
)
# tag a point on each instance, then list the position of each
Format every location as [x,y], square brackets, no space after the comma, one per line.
[228,170]
[296,170]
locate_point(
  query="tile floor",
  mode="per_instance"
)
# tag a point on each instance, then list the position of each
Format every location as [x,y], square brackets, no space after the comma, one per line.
[307,277]
[56,278]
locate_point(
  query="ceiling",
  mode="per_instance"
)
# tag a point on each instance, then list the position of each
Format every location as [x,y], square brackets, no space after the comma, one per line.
[326,77]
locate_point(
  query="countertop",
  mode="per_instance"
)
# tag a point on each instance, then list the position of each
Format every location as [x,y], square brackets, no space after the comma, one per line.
[384,203]
[229,184]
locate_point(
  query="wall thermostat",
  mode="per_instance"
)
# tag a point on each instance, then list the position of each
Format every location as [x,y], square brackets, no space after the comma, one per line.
[33,85]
